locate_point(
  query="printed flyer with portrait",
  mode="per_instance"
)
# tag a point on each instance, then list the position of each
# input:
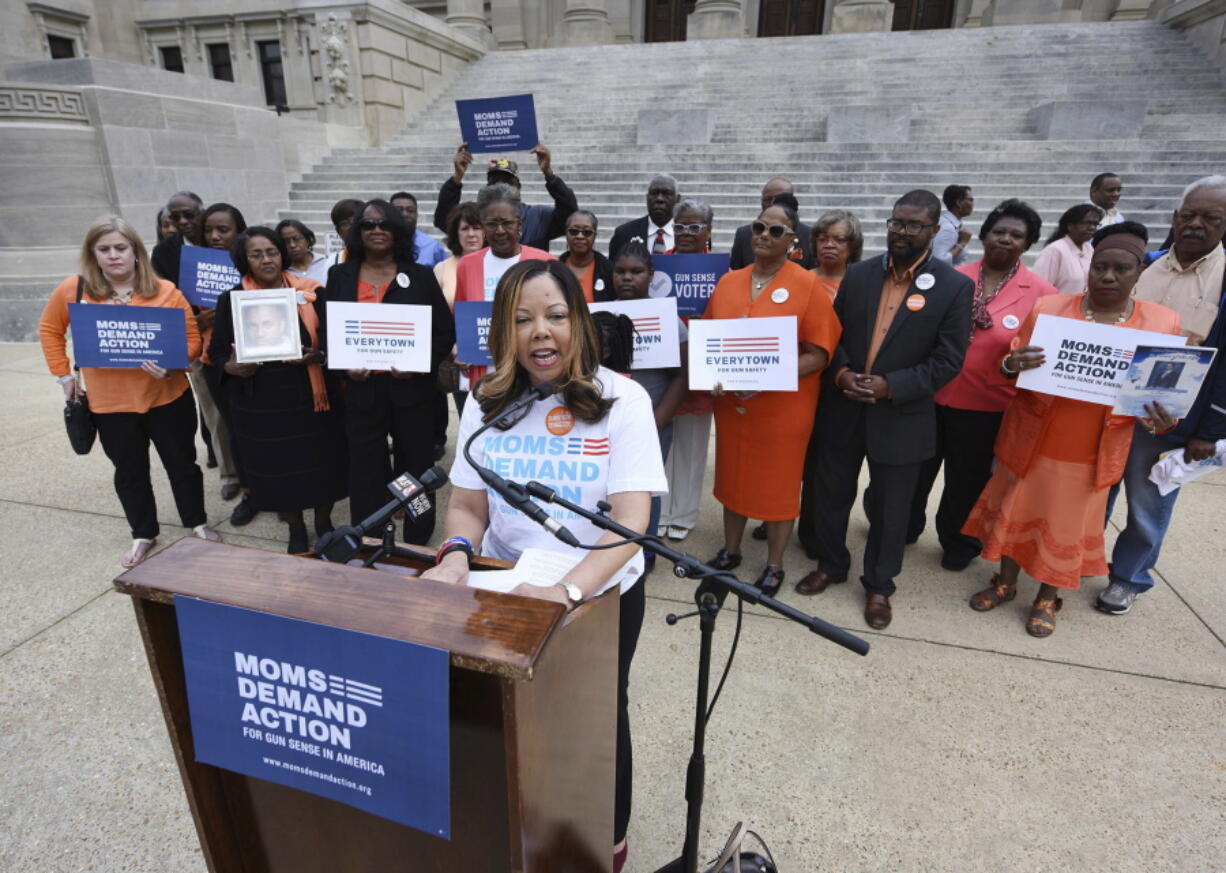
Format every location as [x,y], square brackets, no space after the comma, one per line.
[744,354]
[379,336]
[1170,375]
[1086,360]
[657,329]
[265,325]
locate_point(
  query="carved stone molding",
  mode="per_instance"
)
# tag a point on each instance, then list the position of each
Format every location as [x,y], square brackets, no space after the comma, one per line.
[334,54]
[37,103]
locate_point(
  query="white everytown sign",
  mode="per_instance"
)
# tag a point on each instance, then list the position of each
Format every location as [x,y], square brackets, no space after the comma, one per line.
[743,354]
[1086,360]
[379,336]
[657,343]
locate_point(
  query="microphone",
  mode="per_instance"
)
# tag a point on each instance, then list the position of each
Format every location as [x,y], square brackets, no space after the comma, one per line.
[340,545]
[512,492]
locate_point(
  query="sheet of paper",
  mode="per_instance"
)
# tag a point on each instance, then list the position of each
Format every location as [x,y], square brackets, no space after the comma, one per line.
[657,344]
[1086,360]
[1170,375]
[743,354]
[535,566]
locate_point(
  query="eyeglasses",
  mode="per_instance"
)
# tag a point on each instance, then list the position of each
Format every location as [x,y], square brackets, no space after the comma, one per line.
[505,224]
[584,232]
[265,255]
[689,228]
[375,224]
[910,228]
[181,215]
[775,230]
[839,240]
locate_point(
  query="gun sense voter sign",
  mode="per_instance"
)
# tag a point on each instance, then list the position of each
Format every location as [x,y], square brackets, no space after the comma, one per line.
[379,336]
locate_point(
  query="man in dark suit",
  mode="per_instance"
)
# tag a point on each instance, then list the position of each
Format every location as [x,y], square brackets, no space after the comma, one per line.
[742,242]
[655,228]
[906,323]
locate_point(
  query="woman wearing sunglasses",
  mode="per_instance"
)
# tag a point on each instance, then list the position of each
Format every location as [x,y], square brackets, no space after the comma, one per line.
[381,268]
[760,437]
[593,270]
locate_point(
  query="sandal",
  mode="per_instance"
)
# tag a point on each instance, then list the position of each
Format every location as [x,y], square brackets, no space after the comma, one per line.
[724,560]
[136,554]
[206,533]
[770,581]
[1042,620]
[994,595]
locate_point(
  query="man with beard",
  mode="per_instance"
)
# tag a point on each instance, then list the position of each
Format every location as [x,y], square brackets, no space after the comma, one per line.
[426,249]
[1189,280]
[655,229]
[906,323]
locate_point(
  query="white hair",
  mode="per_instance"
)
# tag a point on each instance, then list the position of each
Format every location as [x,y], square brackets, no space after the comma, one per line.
[1218,182]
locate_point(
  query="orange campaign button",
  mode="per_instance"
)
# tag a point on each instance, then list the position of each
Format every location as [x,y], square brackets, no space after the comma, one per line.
[559,421]
[916,302]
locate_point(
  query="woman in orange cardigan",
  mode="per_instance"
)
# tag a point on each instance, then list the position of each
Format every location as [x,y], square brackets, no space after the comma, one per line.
[1043,509]
[132,407]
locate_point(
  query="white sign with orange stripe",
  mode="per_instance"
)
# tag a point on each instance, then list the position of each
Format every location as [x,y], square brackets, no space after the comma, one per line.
[379,336]
[657,341]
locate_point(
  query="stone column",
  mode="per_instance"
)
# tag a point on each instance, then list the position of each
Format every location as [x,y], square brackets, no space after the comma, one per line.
[468,17]
[585,22]
[716,19]
[862,16]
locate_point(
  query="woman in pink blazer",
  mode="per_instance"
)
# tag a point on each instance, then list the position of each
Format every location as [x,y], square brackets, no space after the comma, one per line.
[970,408]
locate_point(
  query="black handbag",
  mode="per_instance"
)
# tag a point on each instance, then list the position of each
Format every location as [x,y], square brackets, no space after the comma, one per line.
[78,420]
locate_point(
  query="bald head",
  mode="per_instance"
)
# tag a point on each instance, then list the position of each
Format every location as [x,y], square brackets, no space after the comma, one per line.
[775,187]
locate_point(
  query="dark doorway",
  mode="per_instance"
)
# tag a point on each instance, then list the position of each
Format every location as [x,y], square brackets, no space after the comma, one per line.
[272,72]
[790,17]
[923,14]
[666,20]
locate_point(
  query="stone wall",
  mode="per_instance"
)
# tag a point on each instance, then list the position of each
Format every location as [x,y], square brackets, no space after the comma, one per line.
[1204,23]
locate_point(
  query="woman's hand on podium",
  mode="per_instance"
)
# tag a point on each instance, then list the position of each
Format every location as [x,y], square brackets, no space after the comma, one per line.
[542,592]
[453,570]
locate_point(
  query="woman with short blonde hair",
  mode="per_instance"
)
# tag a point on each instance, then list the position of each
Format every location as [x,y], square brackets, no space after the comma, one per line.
[132,407]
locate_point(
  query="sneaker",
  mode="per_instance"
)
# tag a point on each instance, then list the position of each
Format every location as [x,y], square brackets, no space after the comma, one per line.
[1116,599]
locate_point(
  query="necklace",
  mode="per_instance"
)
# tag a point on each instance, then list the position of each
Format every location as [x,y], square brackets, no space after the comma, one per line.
[759,285]
[1088,314]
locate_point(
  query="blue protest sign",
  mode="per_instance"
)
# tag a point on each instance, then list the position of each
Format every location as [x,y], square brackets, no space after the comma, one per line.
[498,124]
[689,278]
[204,274]
[472,331]
[356,718]
[127,336]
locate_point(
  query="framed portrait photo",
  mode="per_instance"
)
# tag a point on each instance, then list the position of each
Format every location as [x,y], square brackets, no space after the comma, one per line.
[265,325]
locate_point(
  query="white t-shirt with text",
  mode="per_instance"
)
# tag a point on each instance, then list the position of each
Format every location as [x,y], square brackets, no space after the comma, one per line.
[492,269]
[584,463]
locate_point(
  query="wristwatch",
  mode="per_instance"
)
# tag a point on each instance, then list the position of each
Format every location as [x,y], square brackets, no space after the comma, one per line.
[573,593]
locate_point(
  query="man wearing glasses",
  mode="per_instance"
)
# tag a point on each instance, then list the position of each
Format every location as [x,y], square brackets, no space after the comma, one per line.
[906,323]
[538,224]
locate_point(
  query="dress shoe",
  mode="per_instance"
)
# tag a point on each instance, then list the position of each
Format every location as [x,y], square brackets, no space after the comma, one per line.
[243,513]
[955,563]
[877,611]
[759,532]
[817,582]
[229,491]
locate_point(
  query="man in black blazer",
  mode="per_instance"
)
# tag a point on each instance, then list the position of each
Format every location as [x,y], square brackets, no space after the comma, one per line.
[655,228]
[906,324]
[742,242]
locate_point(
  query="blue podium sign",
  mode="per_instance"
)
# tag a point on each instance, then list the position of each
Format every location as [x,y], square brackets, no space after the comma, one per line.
[472,331]
[127,336]
[498,124]
[204,274]
[345,715]
[690,278]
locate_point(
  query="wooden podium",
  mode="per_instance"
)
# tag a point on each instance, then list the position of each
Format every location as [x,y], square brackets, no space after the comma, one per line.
[533,719]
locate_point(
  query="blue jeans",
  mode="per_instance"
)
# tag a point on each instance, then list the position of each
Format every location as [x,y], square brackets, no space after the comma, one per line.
[1149,514]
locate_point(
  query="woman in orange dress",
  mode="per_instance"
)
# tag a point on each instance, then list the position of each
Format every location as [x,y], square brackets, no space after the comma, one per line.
[760,438]
[1043,509]
[838,240]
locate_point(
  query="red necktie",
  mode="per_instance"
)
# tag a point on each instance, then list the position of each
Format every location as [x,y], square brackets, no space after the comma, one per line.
[657,247]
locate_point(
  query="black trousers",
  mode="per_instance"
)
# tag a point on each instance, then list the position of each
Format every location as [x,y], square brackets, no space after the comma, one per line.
[125,438]
[892,487]
[965,438]
[368,427]
[633,606]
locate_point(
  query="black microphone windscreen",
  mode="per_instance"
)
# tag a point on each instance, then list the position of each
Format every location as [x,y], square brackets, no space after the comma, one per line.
[434,478]
[545,389]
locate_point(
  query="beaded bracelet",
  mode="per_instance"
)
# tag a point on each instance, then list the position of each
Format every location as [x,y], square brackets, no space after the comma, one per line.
[453,544]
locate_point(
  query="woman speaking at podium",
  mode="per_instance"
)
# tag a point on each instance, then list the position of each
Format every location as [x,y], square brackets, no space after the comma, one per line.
[595,439]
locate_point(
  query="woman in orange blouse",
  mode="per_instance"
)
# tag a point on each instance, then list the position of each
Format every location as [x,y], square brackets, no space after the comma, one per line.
[760,438]
[1043,509]
[132,407]
[838,240]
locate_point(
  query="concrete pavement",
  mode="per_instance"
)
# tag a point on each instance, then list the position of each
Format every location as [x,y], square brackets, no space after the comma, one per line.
[959,743]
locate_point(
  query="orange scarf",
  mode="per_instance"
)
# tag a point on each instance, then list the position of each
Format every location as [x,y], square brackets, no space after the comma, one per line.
[310,320]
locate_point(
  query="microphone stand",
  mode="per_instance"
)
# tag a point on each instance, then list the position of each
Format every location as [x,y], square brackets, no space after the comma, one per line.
[709,597]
